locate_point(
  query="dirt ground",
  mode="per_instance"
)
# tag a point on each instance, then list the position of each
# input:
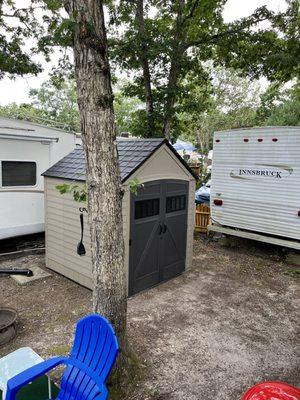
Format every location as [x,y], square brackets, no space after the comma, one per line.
[208,334]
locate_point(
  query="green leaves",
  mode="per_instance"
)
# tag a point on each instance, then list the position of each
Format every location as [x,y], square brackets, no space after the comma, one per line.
[177,39]
[280,106]
[183,35]
[135,185]
[13,60]
[232,104]
[78,192]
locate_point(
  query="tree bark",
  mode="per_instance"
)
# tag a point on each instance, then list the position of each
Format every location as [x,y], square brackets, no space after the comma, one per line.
[176,57]
[140,23]
[170,97]
[95,101]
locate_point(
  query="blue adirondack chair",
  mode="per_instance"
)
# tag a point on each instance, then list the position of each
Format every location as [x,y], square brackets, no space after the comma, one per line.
[93,355]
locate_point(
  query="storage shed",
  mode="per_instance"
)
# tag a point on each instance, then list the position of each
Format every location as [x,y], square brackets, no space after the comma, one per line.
[158,221]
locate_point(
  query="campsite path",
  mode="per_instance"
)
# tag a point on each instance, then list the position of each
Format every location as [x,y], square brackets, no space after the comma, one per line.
[228,323]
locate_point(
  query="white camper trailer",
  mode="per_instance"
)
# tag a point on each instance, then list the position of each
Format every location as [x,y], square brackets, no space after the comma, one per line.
[255,188]
[27,150]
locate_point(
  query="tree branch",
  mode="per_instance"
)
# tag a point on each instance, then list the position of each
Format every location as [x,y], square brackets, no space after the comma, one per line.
[192,11]
[221,35]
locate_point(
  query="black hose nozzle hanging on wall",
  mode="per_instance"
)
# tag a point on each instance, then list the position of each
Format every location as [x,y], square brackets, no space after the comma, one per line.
[80,247]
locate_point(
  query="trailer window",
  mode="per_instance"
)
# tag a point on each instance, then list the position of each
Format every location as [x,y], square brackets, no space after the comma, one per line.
[18,173]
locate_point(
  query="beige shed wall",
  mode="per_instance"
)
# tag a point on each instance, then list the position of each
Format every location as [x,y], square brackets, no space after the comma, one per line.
[62,224]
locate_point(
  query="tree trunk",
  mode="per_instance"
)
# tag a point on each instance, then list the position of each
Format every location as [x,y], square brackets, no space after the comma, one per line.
[95,101]
[170,98]
[176,57]
[140,23]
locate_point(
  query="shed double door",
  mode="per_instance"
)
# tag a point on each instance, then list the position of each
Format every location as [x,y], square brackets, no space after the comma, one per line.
[158,233]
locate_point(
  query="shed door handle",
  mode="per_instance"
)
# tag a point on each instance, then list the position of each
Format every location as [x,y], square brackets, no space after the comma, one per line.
[164,228]
[160,229]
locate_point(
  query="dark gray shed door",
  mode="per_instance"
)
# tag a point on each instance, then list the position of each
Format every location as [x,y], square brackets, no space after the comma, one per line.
[157,233]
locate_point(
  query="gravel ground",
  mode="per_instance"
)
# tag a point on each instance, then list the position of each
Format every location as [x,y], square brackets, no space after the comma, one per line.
[208,334]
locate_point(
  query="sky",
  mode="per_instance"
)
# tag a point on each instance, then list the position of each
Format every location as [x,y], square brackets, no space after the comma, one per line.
[18,90]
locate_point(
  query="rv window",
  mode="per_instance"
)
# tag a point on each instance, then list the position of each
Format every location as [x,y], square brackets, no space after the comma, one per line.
[18,173]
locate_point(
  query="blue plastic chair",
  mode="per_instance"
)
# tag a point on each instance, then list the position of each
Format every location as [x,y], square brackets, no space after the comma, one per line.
[93,355]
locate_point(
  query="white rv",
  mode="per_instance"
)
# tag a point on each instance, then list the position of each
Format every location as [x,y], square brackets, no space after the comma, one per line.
[27,150]
[255,187]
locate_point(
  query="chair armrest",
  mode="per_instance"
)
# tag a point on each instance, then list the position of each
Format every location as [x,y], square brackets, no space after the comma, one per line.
[20,380]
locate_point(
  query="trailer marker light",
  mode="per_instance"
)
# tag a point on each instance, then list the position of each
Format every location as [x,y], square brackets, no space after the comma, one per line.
[260,140]
[218,202]
[246,140]
[274,139]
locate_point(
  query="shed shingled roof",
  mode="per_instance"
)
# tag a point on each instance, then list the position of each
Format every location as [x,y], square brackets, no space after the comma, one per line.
[132,153]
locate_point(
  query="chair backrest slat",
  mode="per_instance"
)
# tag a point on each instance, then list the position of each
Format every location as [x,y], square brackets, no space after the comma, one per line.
[92,357]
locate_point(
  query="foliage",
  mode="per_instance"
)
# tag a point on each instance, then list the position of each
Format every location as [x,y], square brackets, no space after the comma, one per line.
[126,111]
[280,106]
[232,104]
[232,91]
[287,114]
[294,272]
[34,21]
[268,101]
[52,106]
[179,35]
[56,106]
[176,39]
[134,185]
[79,192]
[21,111]
[230,108]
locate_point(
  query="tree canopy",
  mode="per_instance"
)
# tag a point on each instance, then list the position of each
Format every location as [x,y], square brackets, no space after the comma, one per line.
[56,106]
[164,47]
[280,106]
[49,105]
[233,103]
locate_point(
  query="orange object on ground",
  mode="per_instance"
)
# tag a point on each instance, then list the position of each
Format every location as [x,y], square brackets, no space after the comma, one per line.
[272,391]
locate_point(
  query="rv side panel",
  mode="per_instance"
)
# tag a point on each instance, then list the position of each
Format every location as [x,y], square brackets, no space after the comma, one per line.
[256,180]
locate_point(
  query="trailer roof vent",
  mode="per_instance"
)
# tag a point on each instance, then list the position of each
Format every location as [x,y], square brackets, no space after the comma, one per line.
[218,140]
[259,139]
[246,140]
[275,139]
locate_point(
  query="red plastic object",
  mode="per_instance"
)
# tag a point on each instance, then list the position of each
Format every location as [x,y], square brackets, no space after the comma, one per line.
[272,391]
[218,202]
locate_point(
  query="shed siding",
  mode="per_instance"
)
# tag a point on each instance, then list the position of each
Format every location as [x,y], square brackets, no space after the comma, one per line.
[63,226]
[63,234]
